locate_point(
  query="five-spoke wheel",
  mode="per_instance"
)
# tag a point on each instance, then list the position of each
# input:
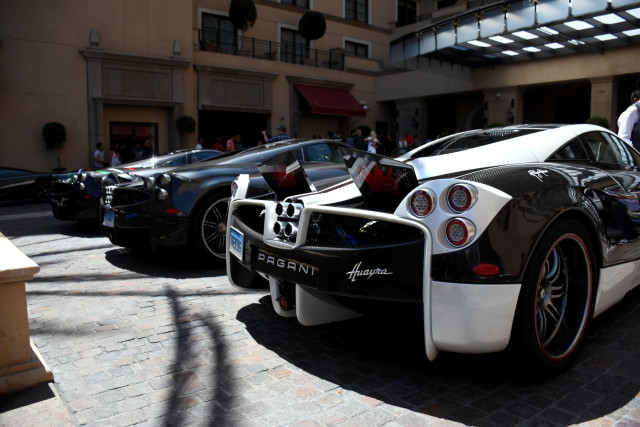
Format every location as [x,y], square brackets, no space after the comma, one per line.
[556,301]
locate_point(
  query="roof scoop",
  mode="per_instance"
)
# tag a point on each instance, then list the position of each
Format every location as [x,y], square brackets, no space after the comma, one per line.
[381,180]
[286,177]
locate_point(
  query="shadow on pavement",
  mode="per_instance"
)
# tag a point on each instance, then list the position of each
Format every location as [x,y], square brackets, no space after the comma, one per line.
[384,359]
[168,263]
[27,397]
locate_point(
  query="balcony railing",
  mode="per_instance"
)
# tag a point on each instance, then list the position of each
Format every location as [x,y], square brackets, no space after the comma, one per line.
[292,53]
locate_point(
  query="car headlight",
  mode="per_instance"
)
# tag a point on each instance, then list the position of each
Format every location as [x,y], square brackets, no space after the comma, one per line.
[148,182]
[162,194]
[163,180]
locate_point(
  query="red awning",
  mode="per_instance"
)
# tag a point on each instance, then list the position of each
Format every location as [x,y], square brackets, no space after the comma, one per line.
[338,102]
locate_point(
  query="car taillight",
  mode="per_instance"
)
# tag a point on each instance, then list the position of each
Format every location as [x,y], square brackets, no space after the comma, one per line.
[460,231]
[461,197]
[422,202]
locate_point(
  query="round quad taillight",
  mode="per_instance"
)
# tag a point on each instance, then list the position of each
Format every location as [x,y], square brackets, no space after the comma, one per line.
[461,197]
[460,231]
[422,202]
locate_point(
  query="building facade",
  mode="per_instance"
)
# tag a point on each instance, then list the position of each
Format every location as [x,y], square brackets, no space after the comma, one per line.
[121,72]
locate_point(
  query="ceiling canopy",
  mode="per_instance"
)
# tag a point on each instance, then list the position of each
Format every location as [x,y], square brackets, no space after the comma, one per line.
[520,30]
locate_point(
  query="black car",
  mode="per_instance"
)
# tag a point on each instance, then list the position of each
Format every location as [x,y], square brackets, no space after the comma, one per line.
[188,205]
[511,237]
[21,185]
[76,197]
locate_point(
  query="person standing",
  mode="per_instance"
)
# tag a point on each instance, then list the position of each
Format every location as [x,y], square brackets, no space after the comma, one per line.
[233,142]
[372,142]
[199,144]
[137,153]
[282,136]
[148,149]
[115,156]
[98,157]
[217,144]
[358,140]
[629,123]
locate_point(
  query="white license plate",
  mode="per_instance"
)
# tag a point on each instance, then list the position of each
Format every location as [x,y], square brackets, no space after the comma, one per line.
[109,218]
[236,242]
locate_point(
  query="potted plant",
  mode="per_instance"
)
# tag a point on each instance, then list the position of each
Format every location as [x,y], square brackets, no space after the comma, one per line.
[185,125]
[243,14]
[312,25]
[598,120]
[55,135]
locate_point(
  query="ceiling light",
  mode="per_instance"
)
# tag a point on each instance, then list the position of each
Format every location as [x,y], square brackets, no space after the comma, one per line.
[631,33]
[576,42]
[501,39]
[610,18]
[490,56]
[525,35]
[548,30]
[554,46]
[510,53]
[479,43]
[634,12]
[578,25]
[606,37]
[532,49]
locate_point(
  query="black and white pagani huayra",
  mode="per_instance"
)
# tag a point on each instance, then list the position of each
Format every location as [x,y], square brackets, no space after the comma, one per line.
[513,236]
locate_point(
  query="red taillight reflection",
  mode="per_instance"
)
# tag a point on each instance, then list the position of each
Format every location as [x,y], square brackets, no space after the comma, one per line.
[86,196]
[172,211]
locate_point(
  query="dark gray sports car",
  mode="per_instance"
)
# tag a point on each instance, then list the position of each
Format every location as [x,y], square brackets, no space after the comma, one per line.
[75,197]
[188,205]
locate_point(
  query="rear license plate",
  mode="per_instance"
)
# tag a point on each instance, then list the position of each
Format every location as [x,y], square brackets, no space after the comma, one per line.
[236,243]
[109,219]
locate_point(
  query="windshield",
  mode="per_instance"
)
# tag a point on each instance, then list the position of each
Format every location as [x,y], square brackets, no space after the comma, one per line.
[468,140]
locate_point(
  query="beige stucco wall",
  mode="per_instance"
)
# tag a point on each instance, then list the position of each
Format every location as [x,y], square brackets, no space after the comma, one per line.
[43,75]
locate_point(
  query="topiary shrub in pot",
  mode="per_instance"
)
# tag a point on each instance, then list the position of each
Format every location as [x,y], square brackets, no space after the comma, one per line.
[312,25]
[598,120]
[55,135]
[243,14]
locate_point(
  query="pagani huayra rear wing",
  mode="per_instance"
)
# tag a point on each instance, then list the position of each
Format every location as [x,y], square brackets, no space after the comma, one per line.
[382,181]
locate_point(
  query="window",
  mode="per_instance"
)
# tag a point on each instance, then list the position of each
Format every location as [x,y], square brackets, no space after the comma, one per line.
[357,10]
[612,151]
[295,48]
[218,33]
[356,49]
[406,12]
[299,3]
[571,151]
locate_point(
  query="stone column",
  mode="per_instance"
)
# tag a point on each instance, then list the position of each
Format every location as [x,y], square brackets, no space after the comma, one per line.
[503,105]
[20,363]
[604,99]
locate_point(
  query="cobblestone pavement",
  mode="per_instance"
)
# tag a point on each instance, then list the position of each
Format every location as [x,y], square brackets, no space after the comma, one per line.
[156,339]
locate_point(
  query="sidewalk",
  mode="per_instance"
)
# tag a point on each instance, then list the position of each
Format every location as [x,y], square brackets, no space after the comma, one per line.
[153,339]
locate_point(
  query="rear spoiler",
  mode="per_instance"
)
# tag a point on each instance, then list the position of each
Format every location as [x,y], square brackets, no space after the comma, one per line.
[285,176]
[381,180]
